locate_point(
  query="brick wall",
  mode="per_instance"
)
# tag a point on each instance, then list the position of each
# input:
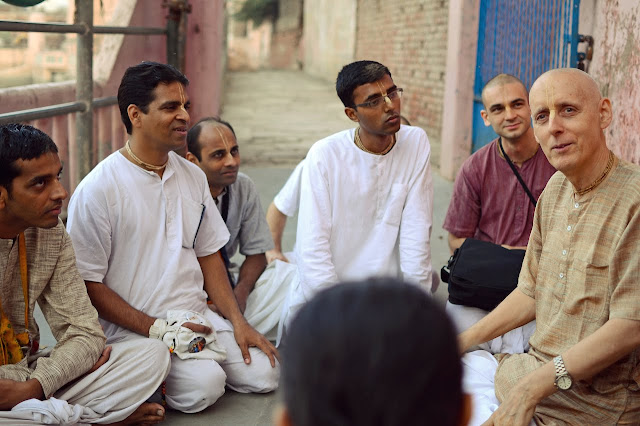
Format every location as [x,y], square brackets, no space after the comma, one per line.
[409,37]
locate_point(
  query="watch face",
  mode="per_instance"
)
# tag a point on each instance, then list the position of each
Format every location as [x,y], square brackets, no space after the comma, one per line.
[564,382]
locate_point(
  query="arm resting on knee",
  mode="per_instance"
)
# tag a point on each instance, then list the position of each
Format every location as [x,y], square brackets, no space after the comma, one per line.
[515,310]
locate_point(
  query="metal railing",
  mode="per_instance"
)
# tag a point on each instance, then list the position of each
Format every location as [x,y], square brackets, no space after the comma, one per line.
[85,151]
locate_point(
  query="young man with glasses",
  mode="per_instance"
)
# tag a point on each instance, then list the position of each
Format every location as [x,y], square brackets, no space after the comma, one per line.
[366,199]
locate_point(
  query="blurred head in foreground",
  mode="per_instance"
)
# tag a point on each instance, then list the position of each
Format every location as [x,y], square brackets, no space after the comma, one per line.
[377,352]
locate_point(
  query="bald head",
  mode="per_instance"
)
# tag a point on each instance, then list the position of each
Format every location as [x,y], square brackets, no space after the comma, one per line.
[569,117]
[580,80]
[500,80]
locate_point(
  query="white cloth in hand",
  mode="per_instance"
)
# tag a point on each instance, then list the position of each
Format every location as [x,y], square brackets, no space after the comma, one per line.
[188,344]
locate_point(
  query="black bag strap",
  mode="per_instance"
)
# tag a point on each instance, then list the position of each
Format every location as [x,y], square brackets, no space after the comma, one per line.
[515,172]
[224,212]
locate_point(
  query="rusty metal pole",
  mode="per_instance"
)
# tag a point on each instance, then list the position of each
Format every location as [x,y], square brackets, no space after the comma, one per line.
[177,31]
[84,87]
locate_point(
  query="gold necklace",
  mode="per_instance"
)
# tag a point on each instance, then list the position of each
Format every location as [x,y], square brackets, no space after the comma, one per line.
[360,145]
[601,178]
[142,163]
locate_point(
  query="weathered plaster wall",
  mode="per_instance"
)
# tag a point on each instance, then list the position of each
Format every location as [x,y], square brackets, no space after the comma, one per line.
[616,68]
[286,46]
[204,59]
[328,36]
[457,117]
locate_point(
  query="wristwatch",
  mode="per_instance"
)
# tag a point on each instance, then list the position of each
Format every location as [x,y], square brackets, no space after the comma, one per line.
[563,379]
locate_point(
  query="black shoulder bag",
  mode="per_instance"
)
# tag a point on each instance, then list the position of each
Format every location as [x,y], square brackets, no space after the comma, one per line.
[481,274]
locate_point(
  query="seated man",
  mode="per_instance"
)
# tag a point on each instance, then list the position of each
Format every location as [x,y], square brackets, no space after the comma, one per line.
[213,147]
[37,264]
[286,204]
[147,236]
[579,279]
[366,207]
[488,201]
[388,382]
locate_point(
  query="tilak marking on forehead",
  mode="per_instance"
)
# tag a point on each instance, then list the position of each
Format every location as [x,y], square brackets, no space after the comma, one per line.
[224,140]
[383,93]
[550,101]
[183,98]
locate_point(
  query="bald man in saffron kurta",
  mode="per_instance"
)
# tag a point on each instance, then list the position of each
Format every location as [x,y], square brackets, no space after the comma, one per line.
[579,277]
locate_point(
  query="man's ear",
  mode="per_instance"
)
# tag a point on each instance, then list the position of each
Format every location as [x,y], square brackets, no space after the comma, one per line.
[135,115]
[281,416]
[606,113]
[351,113]
[192,158]
[484,114]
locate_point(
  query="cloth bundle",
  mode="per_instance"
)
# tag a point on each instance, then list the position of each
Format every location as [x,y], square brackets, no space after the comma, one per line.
[186,343]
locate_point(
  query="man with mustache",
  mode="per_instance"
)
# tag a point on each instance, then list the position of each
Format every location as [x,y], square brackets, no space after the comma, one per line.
[579,279]
[147,237]
[366,193]
[488,201]
[213,147]
[79,380]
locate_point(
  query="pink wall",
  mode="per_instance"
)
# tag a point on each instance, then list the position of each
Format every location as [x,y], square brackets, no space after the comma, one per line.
[616,68]
[204,68]
[205,57]
[458,89]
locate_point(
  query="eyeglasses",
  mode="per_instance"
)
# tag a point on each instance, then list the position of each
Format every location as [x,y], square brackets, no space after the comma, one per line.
[376,102]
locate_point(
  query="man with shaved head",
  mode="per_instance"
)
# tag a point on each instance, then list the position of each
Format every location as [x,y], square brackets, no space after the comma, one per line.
[579,279]
[488,201]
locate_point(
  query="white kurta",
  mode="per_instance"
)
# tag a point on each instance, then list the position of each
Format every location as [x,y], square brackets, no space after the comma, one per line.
[136,233]
[364,215]
[288,199]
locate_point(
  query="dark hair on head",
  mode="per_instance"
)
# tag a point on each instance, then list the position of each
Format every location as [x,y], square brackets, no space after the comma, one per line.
[138,83]
[193,144]
[377,352]
[501,80]
[356,74]
[20,142]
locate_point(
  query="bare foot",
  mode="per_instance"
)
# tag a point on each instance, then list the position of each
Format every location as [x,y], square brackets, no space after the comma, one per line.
[148,413]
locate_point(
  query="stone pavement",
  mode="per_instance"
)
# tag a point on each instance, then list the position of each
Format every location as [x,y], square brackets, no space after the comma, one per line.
[277,116]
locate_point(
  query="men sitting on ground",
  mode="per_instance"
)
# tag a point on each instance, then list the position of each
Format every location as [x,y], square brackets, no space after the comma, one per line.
[363,372]
[79,380]
[147,236]
[579,279]
[488,201]
[213,147]
[366,208]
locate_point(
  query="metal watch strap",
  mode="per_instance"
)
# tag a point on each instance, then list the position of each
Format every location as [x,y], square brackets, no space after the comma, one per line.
[562,375]
[558,363]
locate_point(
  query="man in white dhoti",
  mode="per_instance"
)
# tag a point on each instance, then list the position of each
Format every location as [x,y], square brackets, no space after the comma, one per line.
[147,236]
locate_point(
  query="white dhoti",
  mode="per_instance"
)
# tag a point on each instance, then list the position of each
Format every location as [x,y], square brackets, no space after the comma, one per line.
[514,341]
[195,384]
[134,371]
[268,303]
[479,370]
